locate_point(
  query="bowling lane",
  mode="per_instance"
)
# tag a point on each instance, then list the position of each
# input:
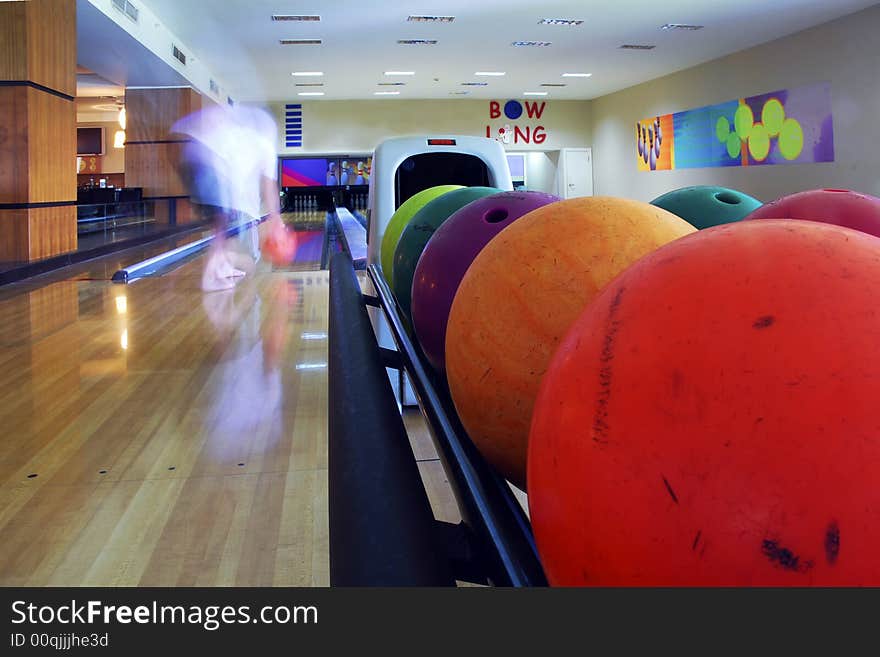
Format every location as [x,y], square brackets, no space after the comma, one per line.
[159,435]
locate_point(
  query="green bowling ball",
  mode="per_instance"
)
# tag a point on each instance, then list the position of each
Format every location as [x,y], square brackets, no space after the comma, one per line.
[400,219]
[704,206]
[419,230]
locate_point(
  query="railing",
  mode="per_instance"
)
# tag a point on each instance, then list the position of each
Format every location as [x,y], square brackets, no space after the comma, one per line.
[382,532]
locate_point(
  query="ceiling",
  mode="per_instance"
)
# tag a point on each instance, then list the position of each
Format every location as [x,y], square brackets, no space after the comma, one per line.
[239,43]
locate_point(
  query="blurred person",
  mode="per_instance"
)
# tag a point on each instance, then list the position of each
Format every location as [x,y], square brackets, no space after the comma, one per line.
[230,168]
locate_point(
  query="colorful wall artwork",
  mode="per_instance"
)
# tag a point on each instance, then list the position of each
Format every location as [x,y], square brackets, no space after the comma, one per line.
[780,127]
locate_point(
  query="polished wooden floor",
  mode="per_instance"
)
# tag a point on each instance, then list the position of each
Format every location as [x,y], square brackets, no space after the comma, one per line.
[156,435]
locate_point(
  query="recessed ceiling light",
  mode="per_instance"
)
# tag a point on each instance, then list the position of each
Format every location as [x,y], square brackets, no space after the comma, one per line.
[310,93]
[400,72]
[680,26]
[386,93]
[576,75]
[300,42]
[534,93]
[295,17]
[307,74]
[526,44]
[559,21]
[634,46]
[490,73]
[417,42]
[430,19]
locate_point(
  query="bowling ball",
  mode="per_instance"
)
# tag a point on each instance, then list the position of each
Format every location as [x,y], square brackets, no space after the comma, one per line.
[519,297]
[711,418]
[705,205]
[279,246]
[841,207]
[400,219]
[417,233]
[450,252]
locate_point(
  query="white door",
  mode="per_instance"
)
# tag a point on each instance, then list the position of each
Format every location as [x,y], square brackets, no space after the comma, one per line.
[578,172]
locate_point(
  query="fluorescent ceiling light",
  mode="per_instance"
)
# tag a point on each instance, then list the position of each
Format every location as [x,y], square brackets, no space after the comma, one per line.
[400,72]
[386,93]
[310,93]
[576,75]
[491,73]
[304,74]
[534,93]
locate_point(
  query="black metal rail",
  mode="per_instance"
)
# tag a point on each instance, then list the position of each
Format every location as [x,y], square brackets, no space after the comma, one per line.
[494,544]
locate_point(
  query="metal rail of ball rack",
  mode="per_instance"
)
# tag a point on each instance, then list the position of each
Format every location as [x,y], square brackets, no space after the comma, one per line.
[382,529]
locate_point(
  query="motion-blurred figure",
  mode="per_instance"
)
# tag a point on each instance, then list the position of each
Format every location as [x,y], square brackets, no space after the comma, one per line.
[230,168]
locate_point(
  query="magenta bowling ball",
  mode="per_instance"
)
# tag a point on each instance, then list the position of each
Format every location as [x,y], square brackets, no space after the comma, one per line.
[448,255]
[840,207]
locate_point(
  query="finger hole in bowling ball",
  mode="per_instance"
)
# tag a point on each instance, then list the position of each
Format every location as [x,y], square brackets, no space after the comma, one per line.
[727,197]
[495,216]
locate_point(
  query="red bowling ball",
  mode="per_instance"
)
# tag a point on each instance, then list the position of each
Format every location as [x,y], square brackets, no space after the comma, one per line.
[840,207]
[448,255]
[711,419]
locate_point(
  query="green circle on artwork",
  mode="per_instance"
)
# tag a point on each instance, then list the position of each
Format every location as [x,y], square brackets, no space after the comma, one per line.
[759,142]
[743,120]
[791,139]
[734,145]
[772,116]
[722,129]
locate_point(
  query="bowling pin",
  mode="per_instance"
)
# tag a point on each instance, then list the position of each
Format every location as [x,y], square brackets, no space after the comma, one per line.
[657,130]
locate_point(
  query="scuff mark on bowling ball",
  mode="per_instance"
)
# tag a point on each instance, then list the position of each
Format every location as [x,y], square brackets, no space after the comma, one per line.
[832,542]
[600,418]
[764,322]
[783,557]
[669,490]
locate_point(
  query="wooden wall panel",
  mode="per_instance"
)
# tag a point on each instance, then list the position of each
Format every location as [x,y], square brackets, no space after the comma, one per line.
[37,233]
[13,41]
[154,167]
[51,44]
[51,135]
[51,231]
[150,113]
[13,143]
[13,235]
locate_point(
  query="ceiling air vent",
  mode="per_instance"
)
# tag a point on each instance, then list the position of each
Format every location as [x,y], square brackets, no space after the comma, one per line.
[529,44]
[300,42]
[430,19]
[632,46]
[391,84]
[552,84]
[214,88]
[680,26]
[474,84]
[417,42]
[178,55]
[309,84]
[295,17]
[559,21]
[127,8]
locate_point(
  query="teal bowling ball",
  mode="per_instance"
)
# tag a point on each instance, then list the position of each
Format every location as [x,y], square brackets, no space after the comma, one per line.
[704,206]
[419,230]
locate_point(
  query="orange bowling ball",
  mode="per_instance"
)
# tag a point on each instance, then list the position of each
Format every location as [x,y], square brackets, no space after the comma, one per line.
[519,297]
[711,419]
[279,246]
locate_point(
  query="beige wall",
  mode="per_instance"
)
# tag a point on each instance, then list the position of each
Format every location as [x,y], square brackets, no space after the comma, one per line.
[354,127]
[114,158]
[843,52]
